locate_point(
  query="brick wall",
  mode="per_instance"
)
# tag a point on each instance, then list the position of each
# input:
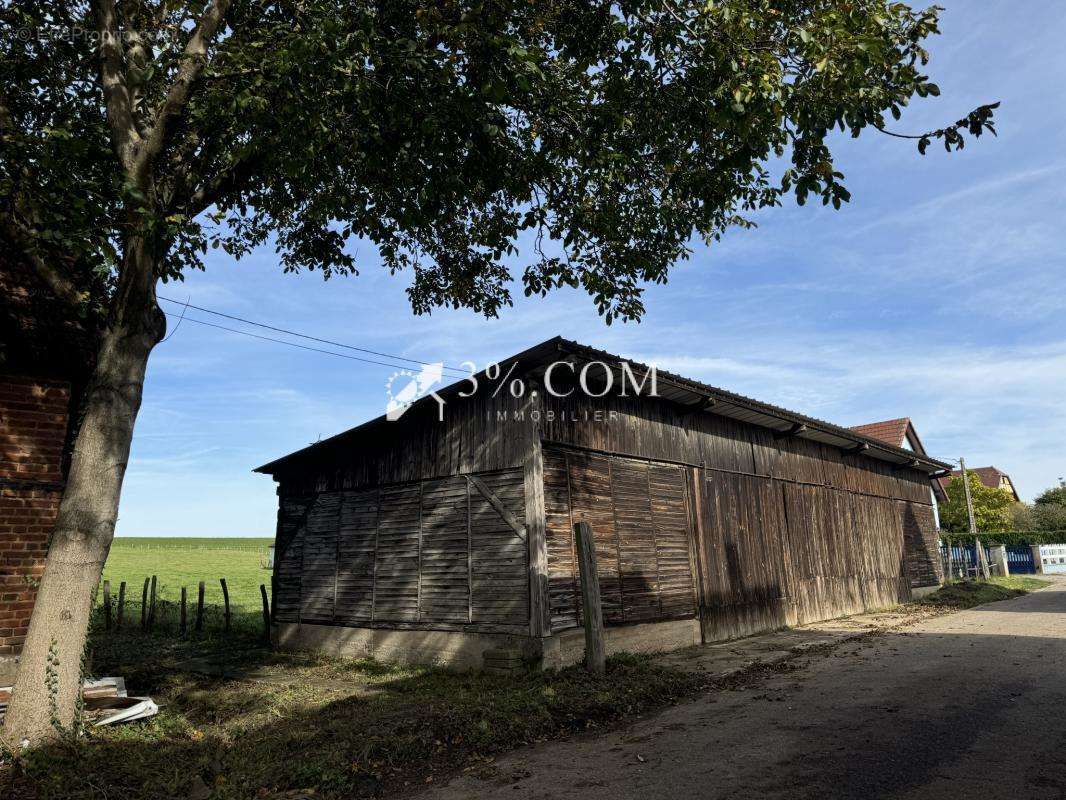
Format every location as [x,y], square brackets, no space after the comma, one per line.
[33,425]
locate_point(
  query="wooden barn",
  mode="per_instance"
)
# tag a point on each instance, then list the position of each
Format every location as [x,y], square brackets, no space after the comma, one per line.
[448,534]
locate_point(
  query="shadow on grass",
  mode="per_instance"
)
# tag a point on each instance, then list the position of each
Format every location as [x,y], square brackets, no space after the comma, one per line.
[241,739]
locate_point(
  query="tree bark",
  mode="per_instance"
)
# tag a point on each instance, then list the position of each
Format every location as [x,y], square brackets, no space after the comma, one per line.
[49,677]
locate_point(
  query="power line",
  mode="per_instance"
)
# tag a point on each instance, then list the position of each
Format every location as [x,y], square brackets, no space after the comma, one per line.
[304,336]
[282,341]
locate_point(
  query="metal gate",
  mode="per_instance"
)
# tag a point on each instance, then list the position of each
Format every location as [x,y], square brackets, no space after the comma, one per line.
[964,559]
[1020,560]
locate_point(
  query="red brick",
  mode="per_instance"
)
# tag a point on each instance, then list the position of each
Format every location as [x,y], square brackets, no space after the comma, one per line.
[33,426]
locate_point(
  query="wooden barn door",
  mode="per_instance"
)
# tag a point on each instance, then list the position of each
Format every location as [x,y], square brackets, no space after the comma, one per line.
[743,558]
[642,530]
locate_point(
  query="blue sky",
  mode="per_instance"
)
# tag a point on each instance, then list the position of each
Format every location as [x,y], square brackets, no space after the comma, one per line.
[936,294]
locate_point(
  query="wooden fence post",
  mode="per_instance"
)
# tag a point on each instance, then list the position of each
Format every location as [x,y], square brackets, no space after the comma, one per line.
[184,600]
[225,601]
[121,605]
[151,606]
[266,612]
[200,607]
[107,605]
[595,649]
[144,605]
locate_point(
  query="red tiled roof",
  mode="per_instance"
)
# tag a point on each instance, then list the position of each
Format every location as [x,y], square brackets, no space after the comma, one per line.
[989,476]
[891,431]
[895,432]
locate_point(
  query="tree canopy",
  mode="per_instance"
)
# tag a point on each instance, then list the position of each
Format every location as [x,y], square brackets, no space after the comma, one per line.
[588,142]
[1047,513]
[1055,496]
[992,507]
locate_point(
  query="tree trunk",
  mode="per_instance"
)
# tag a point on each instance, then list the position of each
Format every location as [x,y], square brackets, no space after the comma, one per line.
[48,683]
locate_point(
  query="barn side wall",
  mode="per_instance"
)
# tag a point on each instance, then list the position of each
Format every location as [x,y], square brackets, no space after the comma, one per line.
[785,531]
[657,430]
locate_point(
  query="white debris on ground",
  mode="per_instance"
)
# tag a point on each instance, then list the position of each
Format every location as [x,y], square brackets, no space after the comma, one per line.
[106,702]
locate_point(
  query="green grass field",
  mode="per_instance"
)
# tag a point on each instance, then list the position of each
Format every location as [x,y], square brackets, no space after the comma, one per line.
[185,561]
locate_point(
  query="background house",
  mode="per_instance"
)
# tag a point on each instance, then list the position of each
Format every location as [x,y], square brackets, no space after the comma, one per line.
[991,477]
[900,433]
[714,515]
[45,361]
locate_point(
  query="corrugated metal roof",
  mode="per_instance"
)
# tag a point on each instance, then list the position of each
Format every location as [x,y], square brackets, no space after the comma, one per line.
[709,399]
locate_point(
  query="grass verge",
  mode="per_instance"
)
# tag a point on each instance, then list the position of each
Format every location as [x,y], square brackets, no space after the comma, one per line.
[968,594]
[341,728]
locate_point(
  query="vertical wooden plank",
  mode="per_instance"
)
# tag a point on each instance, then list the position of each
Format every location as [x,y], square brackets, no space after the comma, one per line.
[144,604]
[469,561]
[595,648]
[536,534]
[266,610]
[121,605]
[225,601]
[696,541]
[151,604]
[107,605]
[184,610]
[421,517]
[200,607]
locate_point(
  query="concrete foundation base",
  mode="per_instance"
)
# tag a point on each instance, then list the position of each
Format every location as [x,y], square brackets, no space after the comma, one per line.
[918,592]
[463,650]
[568,647]
[459,650]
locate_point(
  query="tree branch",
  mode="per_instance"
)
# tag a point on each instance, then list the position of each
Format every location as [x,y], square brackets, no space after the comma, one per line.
[233,178]
[23,239]
[192,65]
[978,120]
[124,134]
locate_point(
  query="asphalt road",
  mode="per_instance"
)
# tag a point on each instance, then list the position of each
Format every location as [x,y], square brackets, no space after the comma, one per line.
[971,705]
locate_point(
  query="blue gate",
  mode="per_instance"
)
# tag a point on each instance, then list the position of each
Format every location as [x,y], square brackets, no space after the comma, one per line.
[1020,559]
[964,559]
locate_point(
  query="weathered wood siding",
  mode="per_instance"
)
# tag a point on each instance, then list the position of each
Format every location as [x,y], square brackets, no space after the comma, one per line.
[692,512]
[653,429]
[921,543]
[785,531]
[641,528]
[657,430]
[432,553]
[478,434]
[776,553]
